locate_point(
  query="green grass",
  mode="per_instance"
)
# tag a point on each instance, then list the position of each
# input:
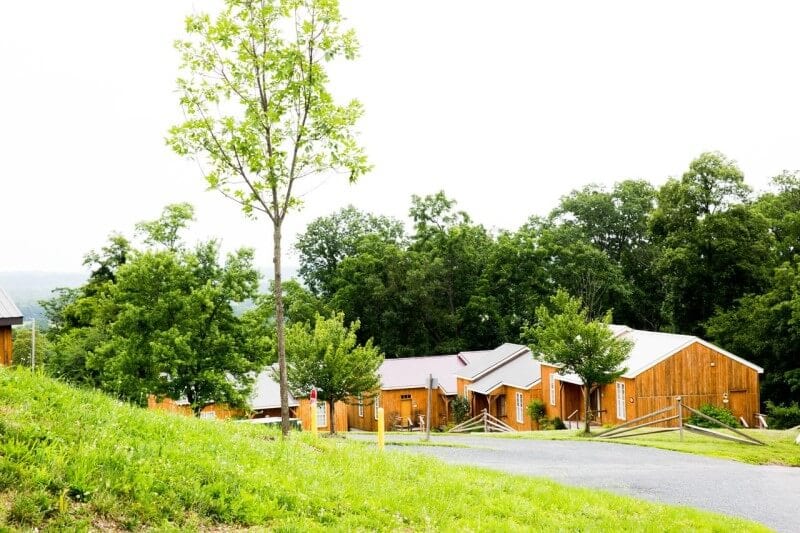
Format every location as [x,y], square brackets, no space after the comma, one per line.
[72,460]
[780,447]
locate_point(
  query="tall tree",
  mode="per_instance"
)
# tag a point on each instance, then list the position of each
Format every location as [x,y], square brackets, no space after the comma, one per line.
[160,323]
[329,239]
[568,337]
[260,116]
[328,356]
[714,247]
[766,327]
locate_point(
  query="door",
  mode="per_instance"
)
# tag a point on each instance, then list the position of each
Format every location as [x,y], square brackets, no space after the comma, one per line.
[738,405]
[405,410]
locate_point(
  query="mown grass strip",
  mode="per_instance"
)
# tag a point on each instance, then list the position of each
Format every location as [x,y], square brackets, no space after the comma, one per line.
[72,459]
[780,447]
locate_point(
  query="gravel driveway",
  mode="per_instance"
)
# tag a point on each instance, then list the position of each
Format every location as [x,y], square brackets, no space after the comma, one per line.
[766,494]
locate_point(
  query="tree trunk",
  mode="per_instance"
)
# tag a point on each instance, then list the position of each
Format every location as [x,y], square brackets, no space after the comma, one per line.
[333,417]
[587,389]
[279,327]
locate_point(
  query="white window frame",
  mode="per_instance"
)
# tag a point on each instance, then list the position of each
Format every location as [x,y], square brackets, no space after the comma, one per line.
[376,406]
[520,409]
[621,414]
[553,388]
[322,414]
[361,406]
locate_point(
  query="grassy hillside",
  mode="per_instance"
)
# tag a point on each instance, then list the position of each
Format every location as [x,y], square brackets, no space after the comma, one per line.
[71,459]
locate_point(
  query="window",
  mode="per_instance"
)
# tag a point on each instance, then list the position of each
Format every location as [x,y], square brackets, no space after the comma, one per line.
[208,415]
[360,406]
[501,405]
[322,414]
[621,400]
[377,405]
[405,396]
[553,389]
[520,409]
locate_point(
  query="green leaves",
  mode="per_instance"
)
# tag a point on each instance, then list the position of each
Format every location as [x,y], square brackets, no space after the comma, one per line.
[568,337]
[259,115]
[160,320]
[328,356]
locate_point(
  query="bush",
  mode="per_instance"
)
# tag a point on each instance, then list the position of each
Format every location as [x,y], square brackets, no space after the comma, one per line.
[558,423]
[460,408]
[722,414]
[783,416]
[537,412]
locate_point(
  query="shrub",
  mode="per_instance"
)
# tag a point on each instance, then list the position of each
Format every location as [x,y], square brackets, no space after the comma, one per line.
[558,423]
[722,414]
[460,407]
[536,410]
[783,416]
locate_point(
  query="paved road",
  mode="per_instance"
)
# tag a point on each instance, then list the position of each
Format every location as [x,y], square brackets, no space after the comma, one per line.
[766,494]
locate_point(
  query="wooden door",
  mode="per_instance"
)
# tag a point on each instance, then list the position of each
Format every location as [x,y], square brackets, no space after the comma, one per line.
[405,410]
[737,403]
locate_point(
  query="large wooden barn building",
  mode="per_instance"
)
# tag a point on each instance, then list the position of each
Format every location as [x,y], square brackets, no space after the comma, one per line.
[10,315]
[404,394]
[660,367]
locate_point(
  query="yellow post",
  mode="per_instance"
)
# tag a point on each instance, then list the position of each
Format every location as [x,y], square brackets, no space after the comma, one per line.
[313,407]
[380,428]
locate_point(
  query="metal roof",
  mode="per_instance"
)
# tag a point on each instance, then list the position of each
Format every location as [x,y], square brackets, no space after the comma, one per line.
[522,372]
[653,347]
[10,315]
[267,392]
[412,372]
[489,360]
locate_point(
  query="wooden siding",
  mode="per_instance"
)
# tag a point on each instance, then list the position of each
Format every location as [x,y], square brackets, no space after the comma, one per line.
[510,415]
[6,348]
[340,412]
[392,403]
[700,375]
[221,412]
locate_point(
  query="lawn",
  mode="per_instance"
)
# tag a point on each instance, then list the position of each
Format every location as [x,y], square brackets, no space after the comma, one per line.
[780,447]
[72,459]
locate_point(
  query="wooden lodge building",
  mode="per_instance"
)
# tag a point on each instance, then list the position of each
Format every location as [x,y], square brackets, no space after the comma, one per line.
[265,406]
[503,381]
[404,394]
[660,367]
[10,315]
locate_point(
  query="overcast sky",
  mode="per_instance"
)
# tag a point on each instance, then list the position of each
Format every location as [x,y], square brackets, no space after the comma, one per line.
[505,105]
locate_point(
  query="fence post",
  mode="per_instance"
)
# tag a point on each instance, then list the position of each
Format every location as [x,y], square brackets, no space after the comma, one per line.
[380,428]
[680,416]
[485,422]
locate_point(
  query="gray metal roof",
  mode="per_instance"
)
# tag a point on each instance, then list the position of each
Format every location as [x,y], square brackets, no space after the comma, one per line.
[489,360]
[522,372]
[267,392]
[412,372]
[10,315]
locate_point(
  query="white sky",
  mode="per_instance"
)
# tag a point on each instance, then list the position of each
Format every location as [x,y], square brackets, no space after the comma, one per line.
[506,105]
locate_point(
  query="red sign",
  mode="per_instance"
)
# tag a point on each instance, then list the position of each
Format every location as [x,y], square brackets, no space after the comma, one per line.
[313,395]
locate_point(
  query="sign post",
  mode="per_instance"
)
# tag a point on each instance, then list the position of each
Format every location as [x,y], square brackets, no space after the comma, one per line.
[428,410]
[380,428]
[313,407]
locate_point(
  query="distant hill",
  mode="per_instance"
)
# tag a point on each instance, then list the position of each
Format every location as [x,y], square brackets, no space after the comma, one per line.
[28,288]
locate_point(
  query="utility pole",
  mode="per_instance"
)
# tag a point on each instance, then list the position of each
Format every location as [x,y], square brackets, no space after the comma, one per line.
[33,345]
[428,410]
